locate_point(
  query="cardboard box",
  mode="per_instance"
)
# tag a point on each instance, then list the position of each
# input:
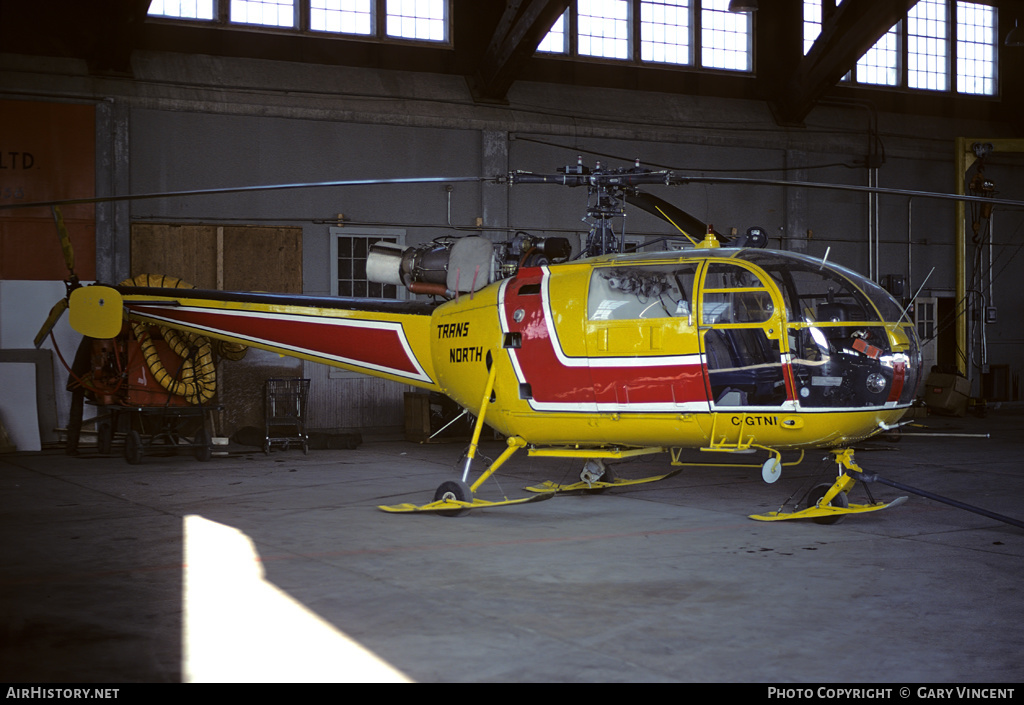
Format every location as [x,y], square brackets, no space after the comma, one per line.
[947,394]
[433,417]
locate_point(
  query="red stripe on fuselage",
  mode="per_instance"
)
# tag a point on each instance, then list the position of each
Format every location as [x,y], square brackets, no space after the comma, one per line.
[549,379]
[899,374]
[657,384]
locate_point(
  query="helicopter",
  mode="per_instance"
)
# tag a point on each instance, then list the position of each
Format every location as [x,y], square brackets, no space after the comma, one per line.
[725,346]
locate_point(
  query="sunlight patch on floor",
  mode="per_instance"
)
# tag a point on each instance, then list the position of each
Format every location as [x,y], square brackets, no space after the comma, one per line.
[239,628]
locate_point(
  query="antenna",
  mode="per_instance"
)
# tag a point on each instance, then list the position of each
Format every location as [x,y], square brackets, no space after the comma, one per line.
[914,298]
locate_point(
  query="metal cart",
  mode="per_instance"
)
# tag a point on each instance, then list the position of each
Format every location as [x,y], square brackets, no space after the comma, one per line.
[164,429]
[285,411]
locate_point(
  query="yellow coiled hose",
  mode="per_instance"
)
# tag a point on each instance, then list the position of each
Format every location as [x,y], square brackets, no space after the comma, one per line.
[198,379]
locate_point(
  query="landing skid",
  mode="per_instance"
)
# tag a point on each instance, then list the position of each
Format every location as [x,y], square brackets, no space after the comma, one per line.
[828,504]
[454,507]
[457,497]
[827,512]
[596,485]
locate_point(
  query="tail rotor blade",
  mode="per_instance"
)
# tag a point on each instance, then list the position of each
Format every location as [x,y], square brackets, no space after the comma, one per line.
[65,240]
[51,320]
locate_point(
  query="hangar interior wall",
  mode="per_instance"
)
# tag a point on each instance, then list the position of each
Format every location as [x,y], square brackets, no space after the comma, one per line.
[193,122]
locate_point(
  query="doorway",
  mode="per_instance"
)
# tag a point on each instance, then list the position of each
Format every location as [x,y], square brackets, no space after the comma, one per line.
[935,318]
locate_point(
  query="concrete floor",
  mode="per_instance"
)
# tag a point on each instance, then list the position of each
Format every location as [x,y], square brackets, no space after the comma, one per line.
[280,567]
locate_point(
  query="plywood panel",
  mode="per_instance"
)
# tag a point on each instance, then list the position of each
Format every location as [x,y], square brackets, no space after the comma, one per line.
[18,404]
[263,259]
[188,252]
[233,258]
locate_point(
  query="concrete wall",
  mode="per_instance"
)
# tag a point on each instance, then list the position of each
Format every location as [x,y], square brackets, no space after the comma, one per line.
[192,122]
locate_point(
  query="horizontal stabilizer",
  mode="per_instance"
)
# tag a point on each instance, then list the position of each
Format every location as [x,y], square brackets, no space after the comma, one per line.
[96,311]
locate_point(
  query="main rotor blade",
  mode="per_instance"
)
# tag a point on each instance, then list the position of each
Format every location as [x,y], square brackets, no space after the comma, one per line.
[65,241]
[688,224]
[667,177]
[245,189]
[744,180]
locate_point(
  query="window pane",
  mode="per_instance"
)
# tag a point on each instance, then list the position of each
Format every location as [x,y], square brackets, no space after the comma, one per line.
[725,37]
[812,23]
[418,19]
[975,48]
[554,41]
[344,16]
[927,42]
[603,28]
[350,271]
[185,9]
[880,64]
[270,13]
[665,31]
[627,293]
[928,55]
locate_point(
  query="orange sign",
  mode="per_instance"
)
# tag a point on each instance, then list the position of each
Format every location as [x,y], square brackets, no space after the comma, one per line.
[47,152]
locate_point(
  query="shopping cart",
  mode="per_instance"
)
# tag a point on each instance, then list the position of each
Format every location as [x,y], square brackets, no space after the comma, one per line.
[285,411]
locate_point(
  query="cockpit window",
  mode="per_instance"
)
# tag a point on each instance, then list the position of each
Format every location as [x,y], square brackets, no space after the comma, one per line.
[650,291]
[840,356]
[821,292]
[733,294]
[886,305]
[818,294]
[722,275]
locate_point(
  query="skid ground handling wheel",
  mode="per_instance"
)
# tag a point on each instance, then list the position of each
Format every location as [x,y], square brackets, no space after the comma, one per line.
[453,491]
[815,496]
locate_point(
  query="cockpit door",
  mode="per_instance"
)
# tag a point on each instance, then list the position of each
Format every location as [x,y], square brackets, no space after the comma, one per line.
[742,326]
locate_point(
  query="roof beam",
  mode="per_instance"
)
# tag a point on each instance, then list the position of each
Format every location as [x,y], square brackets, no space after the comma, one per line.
[520,30]
[117,28]
[847,32]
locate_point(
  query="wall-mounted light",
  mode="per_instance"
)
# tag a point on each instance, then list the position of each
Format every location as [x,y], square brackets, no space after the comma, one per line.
[1014,39]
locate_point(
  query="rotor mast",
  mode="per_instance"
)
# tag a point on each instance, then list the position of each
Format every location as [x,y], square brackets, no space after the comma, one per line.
[606,191]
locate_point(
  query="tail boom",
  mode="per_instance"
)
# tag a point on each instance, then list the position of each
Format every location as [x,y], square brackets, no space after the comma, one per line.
[383,339]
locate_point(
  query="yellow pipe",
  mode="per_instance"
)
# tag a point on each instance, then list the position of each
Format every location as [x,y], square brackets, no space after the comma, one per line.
[199,375]
[964,159]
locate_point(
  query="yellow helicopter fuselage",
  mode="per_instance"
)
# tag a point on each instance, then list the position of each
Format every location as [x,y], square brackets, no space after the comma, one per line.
[717,348]
[712,357]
